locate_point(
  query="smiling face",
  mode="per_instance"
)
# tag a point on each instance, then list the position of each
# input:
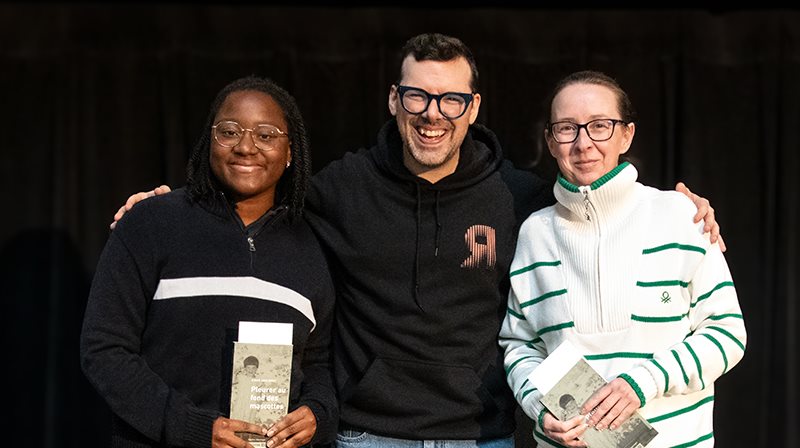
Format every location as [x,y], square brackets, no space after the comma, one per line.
[584,160]
[246,172]
[431,142]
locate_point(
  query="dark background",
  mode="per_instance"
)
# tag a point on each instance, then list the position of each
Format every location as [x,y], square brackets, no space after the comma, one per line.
[103,101]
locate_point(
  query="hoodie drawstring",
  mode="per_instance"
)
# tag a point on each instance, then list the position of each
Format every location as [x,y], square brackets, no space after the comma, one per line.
[438,226]
[416,253]
[417,298]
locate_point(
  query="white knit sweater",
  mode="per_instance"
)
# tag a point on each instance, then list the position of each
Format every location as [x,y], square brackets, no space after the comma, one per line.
[621,271]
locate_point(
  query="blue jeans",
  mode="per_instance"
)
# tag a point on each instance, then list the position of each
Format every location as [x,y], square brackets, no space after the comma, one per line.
[349,438]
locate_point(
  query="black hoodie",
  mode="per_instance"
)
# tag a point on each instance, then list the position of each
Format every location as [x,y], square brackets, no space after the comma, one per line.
[421,275]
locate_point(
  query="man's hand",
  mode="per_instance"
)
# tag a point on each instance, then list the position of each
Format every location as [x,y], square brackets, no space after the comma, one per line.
[704,212]
[611,405]
[136,198]
[566,433]
[223,433]
[295,429]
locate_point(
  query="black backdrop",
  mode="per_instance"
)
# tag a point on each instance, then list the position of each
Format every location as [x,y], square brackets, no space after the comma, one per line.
[103,101]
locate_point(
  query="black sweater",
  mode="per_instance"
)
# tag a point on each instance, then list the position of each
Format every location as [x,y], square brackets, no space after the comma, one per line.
[421,276]
[172,284]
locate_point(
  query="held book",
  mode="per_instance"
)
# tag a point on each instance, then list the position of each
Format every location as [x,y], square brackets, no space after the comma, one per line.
[565,398]
[262,371]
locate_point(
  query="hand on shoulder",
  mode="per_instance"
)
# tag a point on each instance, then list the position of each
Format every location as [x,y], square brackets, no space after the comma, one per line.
[135,198]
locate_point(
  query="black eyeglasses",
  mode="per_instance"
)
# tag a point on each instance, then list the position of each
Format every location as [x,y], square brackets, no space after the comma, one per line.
[451,104]
[597,130]
[265,136]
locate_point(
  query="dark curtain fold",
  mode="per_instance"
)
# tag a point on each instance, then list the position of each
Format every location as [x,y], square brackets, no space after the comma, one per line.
[103,101]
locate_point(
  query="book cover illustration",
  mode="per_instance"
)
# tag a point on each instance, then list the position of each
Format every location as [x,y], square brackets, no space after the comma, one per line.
[566,397]
[260,382]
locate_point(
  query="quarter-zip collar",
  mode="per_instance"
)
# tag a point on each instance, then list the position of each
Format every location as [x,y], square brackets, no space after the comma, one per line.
[608,199]
[221,206]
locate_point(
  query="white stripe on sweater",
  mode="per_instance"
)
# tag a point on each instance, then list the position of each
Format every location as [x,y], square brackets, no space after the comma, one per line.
[234,286]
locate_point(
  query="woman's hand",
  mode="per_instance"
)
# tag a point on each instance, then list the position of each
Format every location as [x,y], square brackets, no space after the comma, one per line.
[295,429]
[223,433]
[566,433]
[611,405]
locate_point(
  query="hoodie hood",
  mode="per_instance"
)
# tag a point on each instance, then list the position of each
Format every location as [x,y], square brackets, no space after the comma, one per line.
[480,155]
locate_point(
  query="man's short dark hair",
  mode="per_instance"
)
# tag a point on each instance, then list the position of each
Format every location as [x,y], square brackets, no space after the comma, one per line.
[438,47]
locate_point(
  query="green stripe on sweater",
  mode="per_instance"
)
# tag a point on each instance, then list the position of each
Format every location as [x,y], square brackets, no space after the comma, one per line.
[596,184]
[666,375]
[687,247]
[695,441]
[658,319]
[724,316]
[515,314]
[719,346]
[619,355]
[680,283]
[548,295]
[697,364]
[556,327]
[728,334]
[534,266]
[681,411]
[514,364]
[708,294]
[680,364]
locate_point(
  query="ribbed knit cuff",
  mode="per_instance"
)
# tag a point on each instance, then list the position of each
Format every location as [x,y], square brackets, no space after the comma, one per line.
[199,427]
[326,427]
[634,386]
[540,419]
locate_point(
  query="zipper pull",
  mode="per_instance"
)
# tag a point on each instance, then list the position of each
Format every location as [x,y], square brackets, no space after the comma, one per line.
[250,242]
[586,204]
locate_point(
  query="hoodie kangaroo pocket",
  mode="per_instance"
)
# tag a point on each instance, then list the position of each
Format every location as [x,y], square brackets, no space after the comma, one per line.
[409,389]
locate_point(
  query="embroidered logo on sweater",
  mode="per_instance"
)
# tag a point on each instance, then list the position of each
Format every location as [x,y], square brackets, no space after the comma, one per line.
[480,241]
[665,298]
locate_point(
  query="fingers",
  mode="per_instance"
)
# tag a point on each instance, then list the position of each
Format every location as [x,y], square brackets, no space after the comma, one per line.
[135,198]
[590,407]
[618,414]
[682,188]
[295,429]
[722,246]
[705,212]
[566,433]
[620,401]
[223,433]
[117,217]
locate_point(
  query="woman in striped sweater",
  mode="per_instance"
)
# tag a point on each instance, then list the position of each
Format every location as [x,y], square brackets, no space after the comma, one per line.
[619,270]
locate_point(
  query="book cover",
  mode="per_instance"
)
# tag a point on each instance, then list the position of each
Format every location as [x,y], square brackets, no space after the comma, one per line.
[568,394]
[261,377]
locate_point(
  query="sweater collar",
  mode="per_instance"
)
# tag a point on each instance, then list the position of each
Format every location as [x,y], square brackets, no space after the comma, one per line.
[608,198]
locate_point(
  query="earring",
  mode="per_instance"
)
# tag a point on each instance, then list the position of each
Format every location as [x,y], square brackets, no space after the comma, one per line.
[288,162]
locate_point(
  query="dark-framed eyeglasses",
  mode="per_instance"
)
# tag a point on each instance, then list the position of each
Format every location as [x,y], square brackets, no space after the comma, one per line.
[451,104]
[266,137]
[598,130]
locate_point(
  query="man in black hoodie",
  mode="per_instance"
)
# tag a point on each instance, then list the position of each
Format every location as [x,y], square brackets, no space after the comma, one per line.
[420,231]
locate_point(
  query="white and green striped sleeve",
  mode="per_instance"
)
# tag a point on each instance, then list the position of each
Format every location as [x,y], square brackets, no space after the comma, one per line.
[715,343]
[524,351]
